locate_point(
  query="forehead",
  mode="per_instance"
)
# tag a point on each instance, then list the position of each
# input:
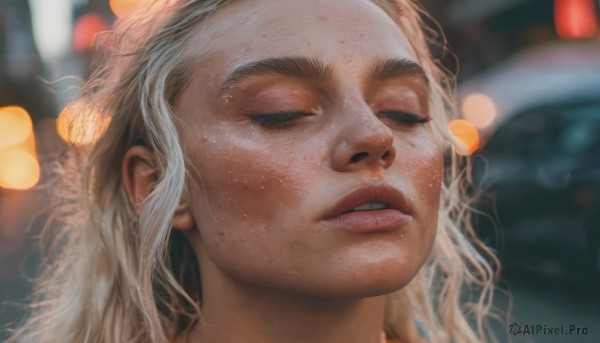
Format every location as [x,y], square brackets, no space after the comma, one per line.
[344,34]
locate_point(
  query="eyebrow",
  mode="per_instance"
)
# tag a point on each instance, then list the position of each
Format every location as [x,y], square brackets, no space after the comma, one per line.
[295,66]
[384,69]
[312,68]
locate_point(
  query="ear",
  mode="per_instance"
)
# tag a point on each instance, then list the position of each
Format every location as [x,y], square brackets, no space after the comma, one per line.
[139,175]
[183,219]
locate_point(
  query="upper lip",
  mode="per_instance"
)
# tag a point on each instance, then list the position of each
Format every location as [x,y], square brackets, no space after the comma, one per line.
[386,194]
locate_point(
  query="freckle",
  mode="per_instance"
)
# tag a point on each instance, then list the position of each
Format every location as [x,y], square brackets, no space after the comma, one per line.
[342,41]
[264,35]
[221,233]
[321,17]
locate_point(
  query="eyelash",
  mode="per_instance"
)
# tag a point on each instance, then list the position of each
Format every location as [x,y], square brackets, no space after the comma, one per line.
[406,117]
[281,120]
[285,120]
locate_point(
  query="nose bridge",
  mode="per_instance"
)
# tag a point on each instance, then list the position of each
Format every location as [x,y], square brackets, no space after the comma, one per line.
[358,113]
[363,139]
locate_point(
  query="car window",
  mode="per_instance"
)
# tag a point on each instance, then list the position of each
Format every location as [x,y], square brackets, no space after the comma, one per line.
[571,132]
[543,145]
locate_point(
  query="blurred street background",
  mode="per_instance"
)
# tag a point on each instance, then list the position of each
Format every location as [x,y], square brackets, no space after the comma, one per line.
[529,90]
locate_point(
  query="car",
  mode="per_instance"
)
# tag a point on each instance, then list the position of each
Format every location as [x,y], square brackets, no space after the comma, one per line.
[538,173]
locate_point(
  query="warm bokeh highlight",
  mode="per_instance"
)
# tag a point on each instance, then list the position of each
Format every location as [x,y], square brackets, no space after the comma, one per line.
[575,19]
[19,168]
[15,125]
[122,8]
[81,124]
[479,109]
[466,134]
[85,31]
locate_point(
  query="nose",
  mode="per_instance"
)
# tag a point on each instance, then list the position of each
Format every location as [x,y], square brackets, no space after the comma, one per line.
[363,141]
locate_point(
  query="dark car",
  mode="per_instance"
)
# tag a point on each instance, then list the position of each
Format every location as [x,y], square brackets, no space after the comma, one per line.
[538,170]
[539,178]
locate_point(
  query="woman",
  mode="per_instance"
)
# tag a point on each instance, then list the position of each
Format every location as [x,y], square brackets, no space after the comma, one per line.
[273,172]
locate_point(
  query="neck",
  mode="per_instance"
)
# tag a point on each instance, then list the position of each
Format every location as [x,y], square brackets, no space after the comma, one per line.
[236,312]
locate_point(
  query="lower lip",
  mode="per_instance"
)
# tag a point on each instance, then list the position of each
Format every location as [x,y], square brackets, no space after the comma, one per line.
[370,221]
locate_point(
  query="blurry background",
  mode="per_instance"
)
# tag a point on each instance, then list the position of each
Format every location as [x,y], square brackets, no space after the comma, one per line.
[529,88]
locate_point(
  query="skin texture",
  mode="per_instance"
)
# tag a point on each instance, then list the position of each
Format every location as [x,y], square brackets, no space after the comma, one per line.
[272,270]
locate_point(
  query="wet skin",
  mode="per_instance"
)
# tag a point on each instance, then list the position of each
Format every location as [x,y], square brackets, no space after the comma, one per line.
[262,182]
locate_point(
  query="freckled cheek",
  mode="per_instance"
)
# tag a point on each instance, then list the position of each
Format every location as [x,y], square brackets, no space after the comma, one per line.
[424,167]
[249,187]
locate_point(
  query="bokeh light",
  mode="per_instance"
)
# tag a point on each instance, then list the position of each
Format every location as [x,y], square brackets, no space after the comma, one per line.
[20,169]
[122,8]
[575,18]
[479,109]
[81,124]
[466,134]
[15,126]
[85,31]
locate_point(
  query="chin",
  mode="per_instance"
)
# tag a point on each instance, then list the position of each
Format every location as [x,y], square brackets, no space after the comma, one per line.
[360,285]
[363,290]
[380,274]
[382,285]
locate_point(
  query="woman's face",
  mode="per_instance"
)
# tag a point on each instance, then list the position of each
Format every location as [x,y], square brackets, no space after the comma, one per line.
[298,112]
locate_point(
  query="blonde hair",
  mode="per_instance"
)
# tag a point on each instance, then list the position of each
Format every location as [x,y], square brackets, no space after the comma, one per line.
[114,268]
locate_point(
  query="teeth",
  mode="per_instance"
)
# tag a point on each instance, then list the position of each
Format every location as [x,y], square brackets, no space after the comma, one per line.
[370,206]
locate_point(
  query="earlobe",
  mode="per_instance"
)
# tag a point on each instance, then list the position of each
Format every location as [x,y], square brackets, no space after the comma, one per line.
[183,219]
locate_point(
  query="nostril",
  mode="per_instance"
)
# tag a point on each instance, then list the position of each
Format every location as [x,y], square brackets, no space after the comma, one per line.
[386,155]
[359,156]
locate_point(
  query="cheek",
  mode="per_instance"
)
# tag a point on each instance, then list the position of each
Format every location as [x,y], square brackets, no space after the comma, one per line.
[250,193]
[424,169]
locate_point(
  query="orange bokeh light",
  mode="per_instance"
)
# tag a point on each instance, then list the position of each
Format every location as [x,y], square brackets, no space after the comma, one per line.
[15,126]
[20,169]
[466,134]
[575,18]
[85,31]
[81,124]
[122,8]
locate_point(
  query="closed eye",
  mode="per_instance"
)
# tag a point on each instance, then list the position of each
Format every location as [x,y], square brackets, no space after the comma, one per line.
[281,120]
[405,117]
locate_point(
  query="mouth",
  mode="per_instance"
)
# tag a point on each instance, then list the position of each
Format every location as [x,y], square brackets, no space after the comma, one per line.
[370,206]
[370,209]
